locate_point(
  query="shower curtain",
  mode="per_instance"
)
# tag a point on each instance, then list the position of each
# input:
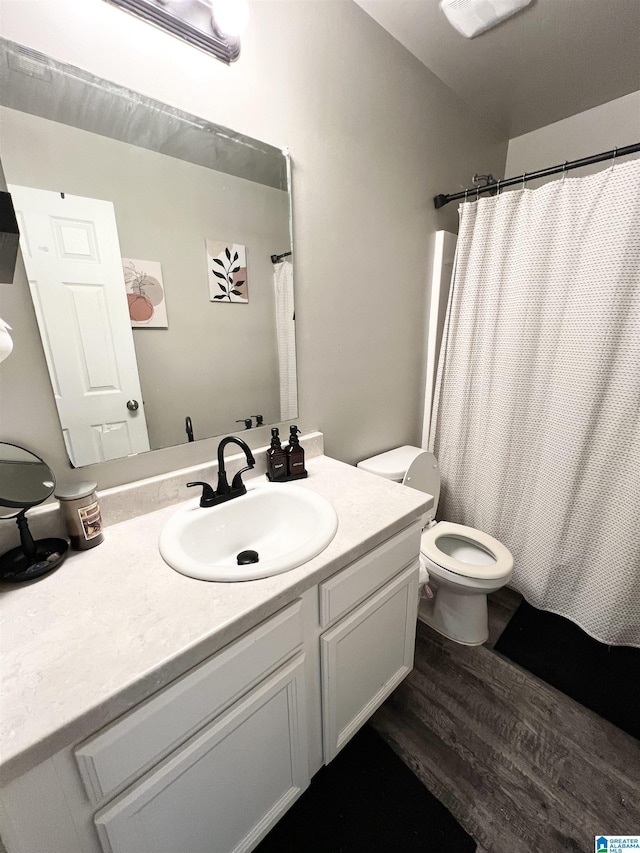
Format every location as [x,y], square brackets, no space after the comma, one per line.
[536,420]
[286,332]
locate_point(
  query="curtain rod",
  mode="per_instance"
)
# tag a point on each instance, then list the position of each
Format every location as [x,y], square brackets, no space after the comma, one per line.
[275,259]
[440,200]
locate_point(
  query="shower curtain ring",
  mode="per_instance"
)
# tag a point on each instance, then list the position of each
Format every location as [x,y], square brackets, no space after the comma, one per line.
[498,187]
[524,181]
[477,193]
[615,153]
[564,169]
[466,193]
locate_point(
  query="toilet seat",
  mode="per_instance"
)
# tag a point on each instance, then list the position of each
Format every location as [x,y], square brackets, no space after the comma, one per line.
[469,539]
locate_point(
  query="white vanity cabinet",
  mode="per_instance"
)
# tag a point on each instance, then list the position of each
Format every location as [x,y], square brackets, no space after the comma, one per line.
[210,762]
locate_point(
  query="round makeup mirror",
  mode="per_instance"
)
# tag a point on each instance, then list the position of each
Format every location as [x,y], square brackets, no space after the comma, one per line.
[26,481]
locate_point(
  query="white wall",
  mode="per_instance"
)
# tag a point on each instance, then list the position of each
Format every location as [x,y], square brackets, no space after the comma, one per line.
[616,123]
[373,136]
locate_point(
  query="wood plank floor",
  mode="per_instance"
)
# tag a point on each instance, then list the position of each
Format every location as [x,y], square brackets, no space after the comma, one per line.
[521,766]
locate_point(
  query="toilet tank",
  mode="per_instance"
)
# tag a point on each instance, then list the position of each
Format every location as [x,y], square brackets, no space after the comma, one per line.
[393,465]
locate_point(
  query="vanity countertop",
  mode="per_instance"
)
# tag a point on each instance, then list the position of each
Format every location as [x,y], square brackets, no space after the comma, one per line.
[115,624]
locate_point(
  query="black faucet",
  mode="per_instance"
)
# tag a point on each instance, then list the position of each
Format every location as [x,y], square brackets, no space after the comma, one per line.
[226,492]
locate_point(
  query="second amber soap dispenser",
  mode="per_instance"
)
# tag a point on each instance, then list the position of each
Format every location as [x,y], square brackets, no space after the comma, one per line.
[295,455]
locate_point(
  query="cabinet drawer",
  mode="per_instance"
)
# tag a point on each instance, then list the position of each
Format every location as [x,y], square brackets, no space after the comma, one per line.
[130,746]
[352,585]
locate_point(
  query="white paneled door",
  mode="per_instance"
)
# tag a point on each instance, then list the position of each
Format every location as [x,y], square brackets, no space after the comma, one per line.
[72,258]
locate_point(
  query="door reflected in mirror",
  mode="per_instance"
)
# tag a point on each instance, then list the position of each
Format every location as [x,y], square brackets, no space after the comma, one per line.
[103,179]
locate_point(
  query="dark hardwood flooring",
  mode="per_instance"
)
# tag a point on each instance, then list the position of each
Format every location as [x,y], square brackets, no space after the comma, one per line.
[521,766]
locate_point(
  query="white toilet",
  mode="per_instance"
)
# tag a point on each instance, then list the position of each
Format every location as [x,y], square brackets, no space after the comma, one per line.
[464,564]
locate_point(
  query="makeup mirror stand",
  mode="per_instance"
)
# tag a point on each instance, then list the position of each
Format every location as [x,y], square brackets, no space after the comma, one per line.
[32,558]
[26,481]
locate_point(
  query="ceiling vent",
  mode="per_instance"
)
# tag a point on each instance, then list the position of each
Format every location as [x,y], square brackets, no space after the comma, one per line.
[29,62]
[472,17]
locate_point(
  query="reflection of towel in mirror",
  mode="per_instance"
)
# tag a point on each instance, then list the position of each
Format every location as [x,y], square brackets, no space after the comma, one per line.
[6,344]
[285,327]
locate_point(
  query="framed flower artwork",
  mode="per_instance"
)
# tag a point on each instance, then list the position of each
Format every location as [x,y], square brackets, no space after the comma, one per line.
[145,294]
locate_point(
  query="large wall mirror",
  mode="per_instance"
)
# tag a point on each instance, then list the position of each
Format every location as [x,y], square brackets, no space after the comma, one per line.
[158,252]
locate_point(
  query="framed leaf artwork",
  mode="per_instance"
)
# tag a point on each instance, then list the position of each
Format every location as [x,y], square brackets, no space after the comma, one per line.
[145,294]
[227,266]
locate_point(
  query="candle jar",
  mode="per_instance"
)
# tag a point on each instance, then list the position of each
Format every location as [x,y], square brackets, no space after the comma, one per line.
[81,513]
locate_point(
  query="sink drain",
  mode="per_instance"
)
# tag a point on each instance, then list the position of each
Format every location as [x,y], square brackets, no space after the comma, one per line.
[245,558]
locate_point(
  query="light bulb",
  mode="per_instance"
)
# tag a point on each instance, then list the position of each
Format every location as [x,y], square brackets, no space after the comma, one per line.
[230,17]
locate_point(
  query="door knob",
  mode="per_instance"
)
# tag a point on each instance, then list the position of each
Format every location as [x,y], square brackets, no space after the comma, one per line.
[133,405]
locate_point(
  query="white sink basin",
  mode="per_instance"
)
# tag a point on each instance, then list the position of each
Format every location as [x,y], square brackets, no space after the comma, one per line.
[286,524]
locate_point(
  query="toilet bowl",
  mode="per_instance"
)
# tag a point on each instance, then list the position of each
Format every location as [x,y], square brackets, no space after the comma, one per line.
[464,564]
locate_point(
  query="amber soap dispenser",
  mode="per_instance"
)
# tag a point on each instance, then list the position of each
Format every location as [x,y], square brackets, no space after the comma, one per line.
[276,458]
[295,455]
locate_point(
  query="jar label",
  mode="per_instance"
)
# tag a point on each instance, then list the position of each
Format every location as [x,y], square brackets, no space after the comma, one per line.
[90,520]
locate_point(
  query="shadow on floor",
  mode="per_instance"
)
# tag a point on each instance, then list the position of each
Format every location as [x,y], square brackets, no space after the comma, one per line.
[367,801]
[604,678]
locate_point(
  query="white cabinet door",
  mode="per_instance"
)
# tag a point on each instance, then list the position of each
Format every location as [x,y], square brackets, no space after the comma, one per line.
[227,786]
[365,657]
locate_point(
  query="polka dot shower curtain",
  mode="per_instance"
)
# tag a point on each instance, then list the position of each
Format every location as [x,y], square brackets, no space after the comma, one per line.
[536,421]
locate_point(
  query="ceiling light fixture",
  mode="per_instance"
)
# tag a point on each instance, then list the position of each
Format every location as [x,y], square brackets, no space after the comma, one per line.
[230,17]
[472,17]
[212,25]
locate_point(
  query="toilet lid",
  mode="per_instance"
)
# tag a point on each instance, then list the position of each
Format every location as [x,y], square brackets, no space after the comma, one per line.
[392,464]
[423,474]
[466,551]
